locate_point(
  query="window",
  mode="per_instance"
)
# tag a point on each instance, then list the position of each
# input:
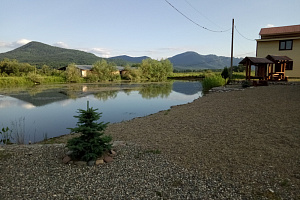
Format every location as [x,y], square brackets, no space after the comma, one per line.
[286,45]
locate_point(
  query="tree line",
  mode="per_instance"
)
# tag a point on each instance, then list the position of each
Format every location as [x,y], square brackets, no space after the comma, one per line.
[102,70]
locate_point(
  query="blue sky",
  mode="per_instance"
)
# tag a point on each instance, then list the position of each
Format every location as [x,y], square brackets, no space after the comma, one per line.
[143,27]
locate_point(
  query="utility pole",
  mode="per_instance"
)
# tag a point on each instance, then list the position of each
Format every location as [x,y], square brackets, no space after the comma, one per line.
[231,62]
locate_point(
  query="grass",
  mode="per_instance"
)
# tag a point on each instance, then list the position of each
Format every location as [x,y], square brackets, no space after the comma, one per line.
[212,81]
[14,81]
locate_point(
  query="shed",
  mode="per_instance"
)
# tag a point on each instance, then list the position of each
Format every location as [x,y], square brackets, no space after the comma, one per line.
[261,67]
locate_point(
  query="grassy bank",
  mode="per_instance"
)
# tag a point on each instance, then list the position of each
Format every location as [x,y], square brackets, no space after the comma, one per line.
[24,80]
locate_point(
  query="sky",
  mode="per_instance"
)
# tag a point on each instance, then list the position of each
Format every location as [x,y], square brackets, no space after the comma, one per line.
[155,28]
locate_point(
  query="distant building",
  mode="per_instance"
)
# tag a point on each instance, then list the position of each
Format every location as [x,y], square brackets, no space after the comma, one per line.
[281,41]
[84,69]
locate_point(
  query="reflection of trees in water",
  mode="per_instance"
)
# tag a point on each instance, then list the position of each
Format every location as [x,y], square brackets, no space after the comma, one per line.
[156,90]
[105,95]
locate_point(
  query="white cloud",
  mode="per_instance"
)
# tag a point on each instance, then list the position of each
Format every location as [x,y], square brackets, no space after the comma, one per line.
[61,44]
[15,44]
[269,25]
[104,53]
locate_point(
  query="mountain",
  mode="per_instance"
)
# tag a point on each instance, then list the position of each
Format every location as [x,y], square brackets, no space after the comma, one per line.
[37,53]
[130,59]
[193,61]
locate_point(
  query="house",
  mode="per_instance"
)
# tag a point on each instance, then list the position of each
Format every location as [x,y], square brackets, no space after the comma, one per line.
[83,69]
[283,43]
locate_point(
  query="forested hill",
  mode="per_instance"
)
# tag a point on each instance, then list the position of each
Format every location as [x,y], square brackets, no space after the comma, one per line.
[37,53]
[193,61]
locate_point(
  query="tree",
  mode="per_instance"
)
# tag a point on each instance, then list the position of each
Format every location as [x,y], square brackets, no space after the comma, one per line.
[105,71]
[72,73]
[91,144]
[225,74]
[156,70]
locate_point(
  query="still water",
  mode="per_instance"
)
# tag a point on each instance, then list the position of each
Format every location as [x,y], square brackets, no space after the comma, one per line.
[47,111]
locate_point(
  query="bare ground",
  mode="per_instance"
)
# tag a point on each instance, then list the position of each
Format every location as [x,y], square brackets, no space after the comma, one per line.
[248,140]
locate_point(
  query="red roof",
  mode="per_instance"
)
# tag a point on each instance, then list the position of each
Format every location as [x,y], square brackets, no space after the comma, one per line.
[280,30]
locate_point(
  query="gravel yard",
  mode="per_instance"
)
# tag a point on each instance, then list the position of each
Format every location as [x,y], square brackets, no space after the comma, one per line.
[231,145]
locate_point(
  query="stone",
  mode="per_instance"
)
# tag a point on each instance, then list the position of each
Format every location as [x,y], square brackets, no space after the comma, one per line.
[69,153]
[91,163]
[29,153]
[80,163]
[99,161]
[66,159]
[108,159]
[112,153]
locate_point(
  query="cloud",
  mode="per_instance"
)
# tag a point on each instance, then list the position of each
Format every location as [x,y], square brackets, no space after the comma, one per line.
[269,25]
[15,44]
[61,44]
[104,53]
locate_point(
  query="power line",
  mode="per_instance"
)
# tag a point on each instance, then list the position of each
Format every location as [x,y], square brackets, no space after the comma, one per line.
[242,35]
[192,20]
[202,14]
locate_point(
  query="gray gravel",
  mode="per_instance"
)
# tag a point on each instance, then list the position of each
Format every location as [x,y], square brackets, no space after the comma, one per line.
[37,172]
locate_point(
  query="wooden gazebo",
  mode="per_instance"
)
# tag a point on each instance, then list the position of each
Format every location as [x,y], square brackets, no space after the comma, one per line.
[282,63]
[261,67]
[271,68]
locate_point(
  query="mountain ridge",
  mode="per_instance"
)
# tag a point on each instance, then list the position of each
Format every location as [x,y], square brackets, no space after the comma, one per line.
[37,53]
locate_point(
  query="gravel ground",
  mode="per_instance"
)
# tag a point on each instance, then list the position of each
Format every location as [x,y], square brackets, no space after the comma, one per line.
[232,145]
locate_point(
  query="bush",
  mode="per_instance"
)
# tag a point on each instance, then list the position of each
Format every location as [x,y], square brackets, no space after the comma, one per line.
[212,81]
[91,144]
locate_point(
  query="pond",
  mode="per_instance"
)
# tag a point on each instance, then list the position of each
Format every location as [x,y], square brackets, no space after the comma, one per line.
[46,111]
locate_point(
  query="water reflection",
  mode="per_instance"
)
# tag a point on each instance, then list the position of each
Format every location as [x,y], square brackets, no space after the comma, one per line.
[50,109]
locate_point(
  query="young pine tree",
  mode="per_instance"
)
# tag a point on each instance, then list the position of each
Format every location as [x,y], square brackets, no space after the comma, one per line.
[92,143]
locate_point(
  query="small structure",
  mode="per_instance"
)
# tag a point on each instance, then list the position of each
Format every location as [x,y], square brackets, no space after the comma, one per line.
[83,69]
[261,65]
[265,69]
[282,63]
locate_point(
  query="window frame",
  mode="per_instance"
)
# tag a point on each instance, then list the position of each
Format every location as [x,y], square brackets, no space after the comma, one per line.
[285,45]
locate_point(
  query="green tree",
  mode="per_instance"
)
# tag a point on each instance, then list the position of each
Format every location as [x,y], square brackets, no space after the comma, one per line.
[131,74]
[92,143]
[105,71]
[72,74]
[14,68]
[225,74]
[156,70]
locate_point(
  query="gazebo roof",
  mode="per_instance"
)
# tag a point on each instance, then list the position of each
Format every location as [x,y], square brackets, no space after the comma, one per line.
[279,58]
[255,61]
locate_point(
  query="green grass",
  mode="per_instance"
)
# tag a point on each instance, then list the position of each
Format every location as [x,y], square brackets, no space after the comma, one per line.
[212,81]
[14,81]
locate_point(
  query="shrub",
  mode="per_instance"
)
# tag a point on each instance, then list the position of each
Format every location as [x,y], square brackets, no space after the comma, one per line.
[212,81]
[92,143]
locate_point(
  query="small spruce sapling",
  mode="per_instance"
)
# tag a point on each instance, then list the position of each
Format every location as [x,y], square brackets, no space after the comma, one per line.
[225,74]
[92,143]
